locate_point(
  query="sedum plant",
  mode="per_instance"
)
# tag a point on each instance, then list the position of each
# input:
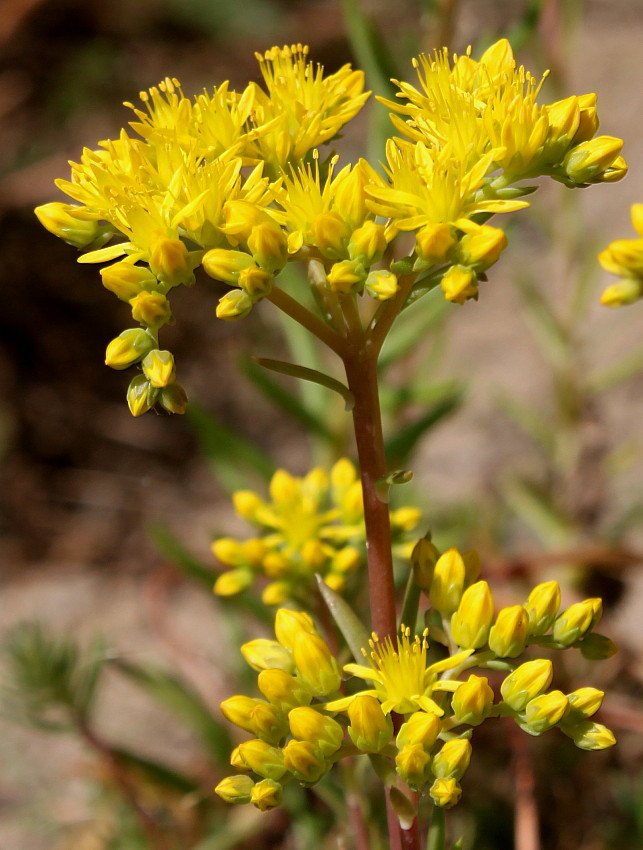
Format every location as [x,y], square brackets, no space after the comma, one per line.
[235,183]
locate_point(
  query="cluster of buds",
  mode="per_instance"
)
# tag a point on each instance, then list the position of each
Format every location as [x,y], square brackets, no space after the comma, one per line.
[311,525]
[624,257]
[305,724]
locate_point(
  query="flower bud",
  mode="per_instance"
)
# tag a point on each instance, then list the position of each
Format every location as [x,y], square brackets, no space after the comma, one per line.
[255,281]
[126,280]
[282,689]
[623,292]
[304,761]
[587,161]
[315,664]
[481,247]
[225,265]
[151,309]
[370,729]
[448,582]
[330,234]
[597,647]
[246,503]
[60,220]
[238,710]
[173,398]
[545,711]
[141,395]
[470,624]
[459,283]
[264,654]
[308,724]
[434,241]
[526,682]
[267,795]
[588,119]
[542,606]
[268,722]
[453,759]
[128,347]
[288,624]
[236,761]
[342,476]
[508,635]
[158,368]
[233,582]
[445,793]
[423,560]
[346,276]
[263,759]
[472,701]
[235,789]
[583,703]
[381,285]
[234,305]
[268,245]
[472,566]
[577,620]
[412,763]
[170,262]
[588,735]
[276,593]
[368,243]
[422,728]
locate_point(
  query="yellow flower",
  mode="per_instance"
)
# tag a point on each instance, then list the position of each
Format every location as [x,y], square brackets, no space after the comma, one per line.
[303,108]
[403,682]
[313,524]
[624,257]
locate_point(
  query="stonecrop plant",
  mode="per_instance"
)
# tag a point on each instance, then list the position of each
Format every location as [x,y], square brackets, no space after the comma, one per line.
[235,183]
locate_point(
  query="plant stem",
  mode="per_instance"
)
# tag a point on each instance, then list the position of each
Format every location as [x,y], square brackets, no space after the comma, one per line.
[307,319]
[437,831]
[361,374]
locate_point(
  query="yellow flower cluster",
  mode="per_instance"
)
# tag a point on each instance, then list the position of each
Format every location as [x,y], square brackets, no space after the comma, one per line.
[232,181]
[305,724]
[311,525]
[624,257]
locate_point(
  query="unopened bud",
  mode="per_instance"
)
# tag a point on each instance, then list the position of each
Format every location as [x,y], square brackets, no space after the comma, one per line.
[141,395]
[315,664]
[60,220]
[481,247]
[346,276]
[151,309]
[448,582]
[330,234]
[459,283]
[368,243]
[289,624]
[545,711]
[422,728]
[126,280]
[282,689]
[526,682]
[173,398]
[434,241]
[508,635]
[263,759]
[453,759]
[577,620]
[470,624]
[542,606]
[412,763]
[370,729]
[304,761]
[225,265]
[268,245]
[307,724]
[235,789]
[170,262]
[472,701]
[423,560]
[625,291]
[255,281]
[128,347]
[264,654]
[158,368]
[445,792]
[235,304]
[381,285]
[588,735]
[267,795]
[588,161]
[583,703]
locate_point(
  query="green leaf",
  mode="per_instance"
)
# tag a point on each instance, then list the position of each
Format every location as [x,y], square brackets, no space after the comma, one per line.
[411,603]
[159,774]
[616,373]
[293,370]
[349,624]
[535,507]
[418,324]
[400,446]
[529,421]
[548,331]
[383,486]
[184,702]
[233,458]
[403,807]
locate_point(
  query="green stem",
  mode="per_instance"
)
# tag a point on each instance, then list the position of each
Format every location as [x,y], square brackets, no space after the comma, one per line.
[307,319]
[437,831]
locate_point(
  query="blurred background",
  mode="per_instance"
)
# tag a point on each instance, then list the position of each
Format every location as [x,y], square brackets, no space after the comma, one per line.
[533,455]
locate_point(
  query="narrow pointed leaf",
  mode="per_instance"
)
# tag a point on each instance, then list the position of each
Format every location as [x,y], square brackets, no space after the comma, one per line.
[403,807]
[400,446]
[306,374]
[349,624]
